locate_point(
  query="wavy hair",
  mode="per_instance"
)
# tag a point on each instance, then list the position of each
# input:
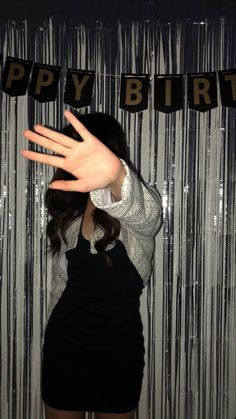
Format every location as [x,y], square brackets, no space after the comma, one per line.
[64,207]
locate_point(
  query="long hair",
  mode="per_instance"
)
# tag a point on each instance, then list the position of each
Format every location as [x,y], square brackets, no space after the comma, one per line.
[64,207]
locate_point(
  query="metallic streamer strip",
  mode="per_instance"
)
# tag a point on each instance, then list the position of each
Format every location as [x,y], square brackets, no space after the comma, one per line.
[188,310]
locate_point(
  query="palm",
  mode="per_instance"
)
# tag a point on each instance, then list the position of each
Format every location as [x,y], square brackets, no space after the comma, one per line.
[90,161]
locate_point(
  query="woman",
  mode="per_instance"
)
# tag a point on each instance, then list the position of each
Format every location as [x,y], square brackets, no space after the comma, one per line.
[102,230]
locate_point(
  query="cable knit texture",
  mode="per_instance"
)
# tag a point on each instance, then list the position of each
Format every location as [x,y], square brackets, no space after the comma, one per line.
[140,214]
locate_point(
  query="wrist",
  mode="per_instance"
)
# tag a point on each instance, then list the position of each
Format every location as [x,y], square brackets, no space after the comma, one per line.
[115,186]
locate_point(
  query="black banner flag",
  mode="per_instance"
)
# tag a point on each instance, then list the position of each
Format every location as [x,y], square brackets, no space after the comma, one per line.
[202,91]
[44,82]
[227,81]
[79,88]
[168,93]
[16,75]
[134,92]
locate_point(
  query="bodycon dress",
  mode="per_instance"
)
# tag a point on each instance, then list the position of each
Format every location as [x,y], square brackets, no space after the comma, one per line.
[93,351]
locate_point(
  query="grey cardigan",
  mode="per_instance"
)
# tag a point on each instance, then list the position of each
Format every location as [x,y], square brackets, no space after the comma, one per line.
[140,214]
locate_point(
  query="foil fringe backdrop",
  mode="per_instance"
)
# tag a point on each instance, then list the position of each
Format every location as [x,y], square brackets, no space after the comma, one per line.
[188,310]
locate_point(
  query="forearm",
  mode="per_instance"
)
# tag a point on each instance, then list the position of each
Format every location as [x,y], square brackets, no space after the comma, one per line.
[139,205]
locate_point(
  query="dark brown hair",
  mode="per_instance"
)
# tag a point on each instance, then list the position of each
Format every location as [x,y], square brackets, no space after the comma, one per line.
[64,207]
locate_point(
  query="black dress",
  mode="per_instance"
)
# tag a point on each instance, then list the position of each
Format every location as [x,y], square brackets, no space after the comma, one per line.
[93,352]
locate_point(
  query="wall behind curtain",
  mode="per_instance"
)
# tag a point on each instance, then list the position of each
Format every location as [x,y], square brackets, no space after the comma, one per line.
[188,308]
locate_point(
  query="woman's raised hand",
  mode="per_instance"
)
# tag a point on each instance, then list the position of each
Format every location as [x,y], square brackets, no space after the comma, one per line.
[90,161]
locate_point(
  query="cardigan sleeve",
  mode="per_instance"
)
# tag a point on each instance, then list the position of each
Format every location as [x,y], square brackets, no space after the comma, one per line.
[140,207]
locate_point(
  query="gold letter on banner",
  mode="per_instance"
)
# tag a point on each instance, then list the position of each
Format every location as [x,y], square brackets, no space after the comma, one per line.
[41,82]
[203,91]
[16,72]
[133,87]
[232,78]
[79,85]
[168,92]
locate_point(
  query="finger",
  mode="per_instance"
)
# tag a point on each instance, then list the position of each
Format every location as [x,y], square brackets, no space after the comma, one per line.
[44,158]
[43,142]
[78,126]
[57,137]
[70,186]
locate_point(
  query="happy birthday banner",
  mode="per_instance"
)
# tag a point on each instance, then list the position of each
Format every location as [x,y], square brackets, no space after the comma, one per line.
[42,81]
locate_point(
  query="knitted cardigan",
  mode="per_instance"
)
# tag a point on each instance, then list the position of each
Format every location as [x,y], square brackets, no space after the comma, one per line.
[140,214]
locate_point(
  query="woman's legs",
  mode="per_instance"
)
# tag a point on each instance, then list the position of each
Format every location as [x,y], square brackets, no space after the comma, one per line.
[52,413]
[128,415]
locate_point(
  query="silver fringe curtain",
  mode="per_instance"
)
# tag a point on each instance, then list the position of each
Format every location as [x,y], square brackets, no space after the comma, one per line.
[188,310]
